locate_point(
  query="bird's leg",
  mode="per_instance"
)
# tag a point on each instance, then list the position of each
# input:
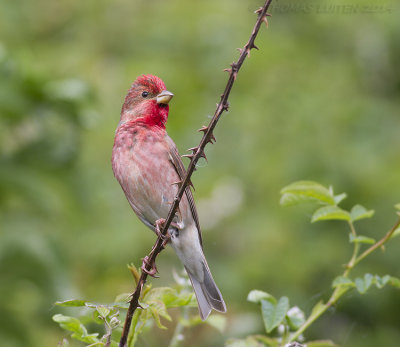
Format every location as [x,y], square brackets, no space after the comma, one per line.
[165,237]
[153,268]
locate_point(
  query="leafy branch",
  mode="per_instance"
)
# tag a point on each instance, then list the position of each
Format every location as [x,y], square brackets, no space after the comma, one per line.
[197,153]
[291,323]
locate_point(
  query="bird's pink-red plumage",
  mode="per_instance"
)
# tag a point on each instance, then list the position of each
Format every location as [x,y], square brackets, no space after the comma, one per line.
[147,164]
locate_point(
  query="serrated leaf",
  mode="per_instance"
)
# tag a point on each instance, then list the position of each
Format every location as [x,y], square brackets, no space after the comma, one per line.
[380,282]
[257,295]
[360,212]
[394,281]
[124,297]
[363,284]
[339,198]
[74,325]
[274,314]
[321,343]
[156,317]
[170,297]
[361,239]
[71,303]
[68,323]
[309,190]
[103,311]
[217,321]
[342,281]
[330,213]
[294,322]
[295,318]
[290,199]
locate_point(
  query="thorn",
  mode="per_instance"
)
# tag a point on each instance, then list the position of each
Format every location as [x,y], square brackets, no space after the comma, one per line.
[204,156]
[177,183]
[193,149]
[240,50]
[225,106]
[190,156]
[253,46]
[228,70]
[265,20]
[258,11]
[212,139]
[203,129]
[190,184]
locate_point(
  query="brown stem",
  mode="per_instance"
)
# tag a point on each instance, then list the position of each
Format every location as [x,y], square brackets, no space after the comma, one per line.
[198,152]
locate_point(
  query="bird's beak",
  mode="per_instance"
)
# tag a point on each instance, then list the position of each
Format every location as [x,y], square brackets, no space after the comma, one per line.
[164,97]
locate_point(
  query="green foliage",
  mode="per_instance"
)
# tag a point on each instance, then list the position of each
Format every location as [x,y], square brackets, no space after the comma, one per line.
[320,99]
[155,303]
[284,324]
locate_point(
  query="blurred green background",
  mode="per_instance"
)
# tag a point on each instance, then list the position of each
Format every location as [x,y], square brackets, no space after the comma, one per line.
[319,101]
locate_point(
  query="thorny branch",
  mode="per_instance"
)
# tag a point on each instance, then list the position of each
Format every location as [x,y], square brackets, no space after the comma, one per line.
[197,153]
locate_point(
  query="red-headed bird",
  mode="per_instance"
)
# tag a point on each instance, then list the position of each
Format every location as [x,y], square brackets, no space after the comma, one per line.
[147,164]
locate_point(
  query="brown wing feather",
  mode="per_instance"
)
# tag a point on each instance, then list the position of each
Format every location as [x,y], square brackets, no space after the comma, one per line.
[181,171]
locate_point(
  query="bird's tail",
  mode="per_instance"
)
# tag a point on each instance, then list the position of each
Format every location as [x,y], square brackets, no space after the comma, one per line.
[207,293]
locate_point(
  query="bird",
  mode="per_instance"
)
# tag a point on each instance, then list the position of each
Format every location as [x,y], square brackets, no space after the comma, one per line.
[147,164]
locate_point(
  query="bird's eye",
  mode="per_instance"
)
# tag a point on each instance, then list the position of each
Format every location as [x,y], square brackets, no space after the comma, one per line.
[145,94]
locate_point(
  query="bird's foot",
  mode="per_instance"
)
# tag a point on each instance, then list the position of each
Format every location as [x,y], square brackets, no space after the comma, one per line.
[165,237]
[153,268]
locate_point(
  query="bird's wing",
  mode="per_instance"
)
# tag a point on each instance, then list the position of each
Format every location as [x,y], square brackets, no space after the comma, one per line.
[181,171]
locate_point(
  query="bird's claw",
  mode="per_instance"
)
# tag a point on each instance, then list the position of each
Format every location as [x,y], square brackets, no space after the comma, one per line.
[165,237]
[153,268]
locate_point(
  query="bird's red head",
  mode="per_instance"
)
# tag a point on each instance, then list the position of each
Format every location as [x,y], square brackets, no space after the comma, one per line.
[147,102]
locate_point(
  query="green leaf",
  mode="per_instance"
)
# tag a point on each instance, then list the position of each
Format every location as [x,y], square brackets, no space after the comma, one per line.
[330,213]
[306,190]
[342,281]
[363,284]
[397,207]
[124,298]
[396,232]
[360,212]
[156,316]
[71,303]
[68,323]
[321,343]
[170,297]
[274,314]
[339,198]
[295,318]
[103,311]
[380,282]
[290,199]
[217,321]
[361,239]
[394,281]
[78,329]
[258,295]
